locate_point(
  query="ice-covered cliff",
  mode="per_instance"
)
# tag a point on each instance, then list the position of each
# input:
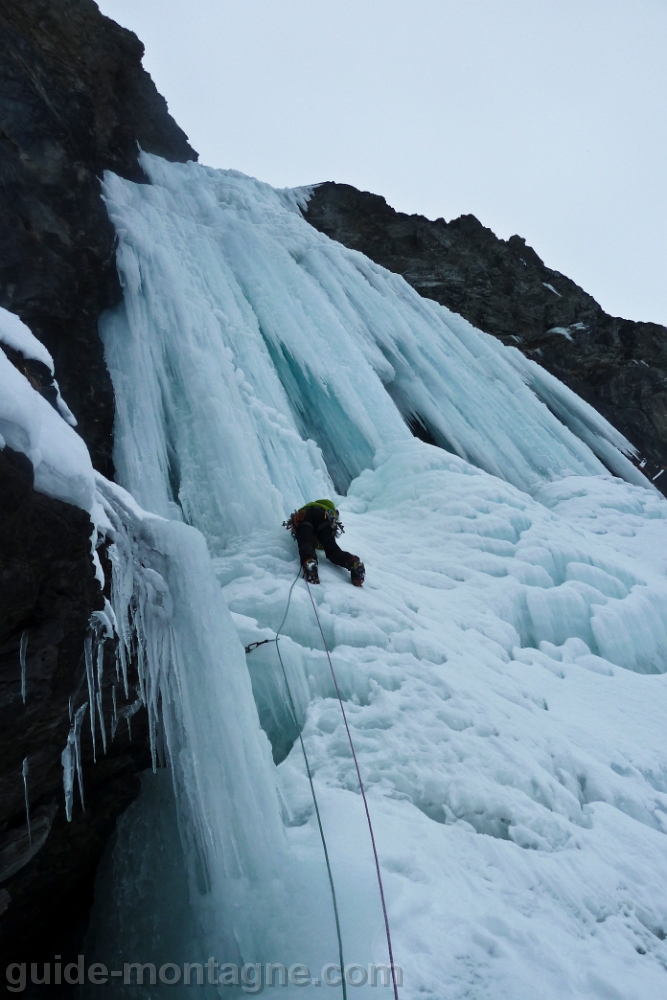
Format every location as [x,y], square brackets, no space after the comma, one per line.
[504,288]
[257,363]
[503,668]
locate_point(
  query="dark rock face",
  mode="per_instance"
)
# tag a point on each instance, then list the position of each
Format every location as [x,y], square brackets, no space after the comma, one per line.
[503,288]
[74,101]
[48,590]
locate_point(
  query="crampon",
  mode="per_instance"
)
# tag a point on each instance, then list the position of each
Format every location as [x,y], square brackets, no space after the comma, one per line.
[310,573]
[357,572]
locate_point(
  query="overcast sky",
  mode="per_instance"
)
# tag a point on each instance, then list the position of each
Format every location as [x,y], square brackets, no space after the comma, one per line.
[546,118]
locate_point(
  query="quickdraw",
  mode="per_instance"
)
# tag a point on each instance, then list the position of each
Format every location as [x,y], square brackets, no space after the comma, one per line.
[254,645]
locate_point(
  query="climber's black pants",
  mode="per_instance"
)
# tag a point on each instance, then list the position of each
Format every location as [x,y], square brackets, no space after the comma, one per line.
[315,524]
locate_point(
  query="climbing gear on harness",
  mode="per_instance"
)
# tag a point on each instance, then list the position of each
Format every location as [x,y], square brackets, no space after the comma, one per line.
[330,512]
[357,572]
[295,518]
[363,795]
[337,526]
[310,573]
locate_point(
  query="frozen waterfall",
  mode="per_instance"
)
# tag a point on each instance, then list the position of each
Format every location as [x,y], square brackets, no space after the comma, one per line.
[504,667]
[254,359]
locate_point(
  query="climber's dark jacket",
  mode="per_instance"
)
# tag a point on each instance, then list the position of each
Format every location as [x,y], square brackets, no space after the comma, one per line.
[312,527]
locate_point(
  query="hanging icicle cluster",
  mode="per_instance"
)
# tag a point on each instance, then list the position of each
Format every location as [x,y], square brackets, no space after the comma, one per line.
[137,621]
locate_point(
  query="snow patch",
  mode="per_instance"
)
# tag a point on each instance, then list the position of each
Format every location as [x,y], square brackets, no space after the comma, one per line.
[19,337]
[30,425]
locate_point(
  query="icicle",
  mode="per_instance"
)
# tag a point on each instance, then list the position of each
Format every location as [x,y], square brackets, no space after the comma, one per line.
[100,628]
[78,722]
[27,798]
[71,762]
[150,558]
[98,694]
[114,712]
[174,630]
[67,761]
[111,616]
[101,620]
[22,651]
[90,677]
[128,711]
[121,592]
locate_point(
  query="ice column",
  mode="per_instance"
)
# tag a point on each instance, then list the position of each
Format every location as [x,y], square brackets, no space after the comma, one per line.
[194,682]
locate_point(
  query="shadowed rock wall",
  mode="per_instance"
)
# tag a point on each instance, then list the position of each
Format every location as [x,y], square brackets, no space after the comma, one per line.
[503,287]
[74,101]
[47,591]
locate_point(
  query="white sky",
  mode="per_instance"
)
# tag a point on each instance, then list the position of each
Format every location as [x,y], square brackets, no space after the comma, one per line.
[546,118]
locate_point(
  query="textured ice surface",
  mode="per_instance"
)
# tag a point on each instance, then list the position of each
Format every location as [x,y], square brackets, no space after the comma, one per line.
[496,667]
[251,350]
[503,667]
[202,718]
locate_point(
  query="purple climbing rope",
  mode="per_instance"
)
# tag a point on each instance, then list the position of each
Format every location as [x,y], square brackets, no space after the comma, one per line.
[363,795]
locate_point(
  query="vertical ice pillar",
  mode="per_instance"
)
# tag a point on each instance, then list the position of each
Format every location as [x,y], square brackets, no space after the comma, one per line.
[196,686]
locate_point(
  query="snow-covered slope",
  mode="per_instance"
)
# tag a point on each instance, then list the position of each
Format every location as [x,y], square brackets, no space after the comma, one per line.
[504,666]
[517,770]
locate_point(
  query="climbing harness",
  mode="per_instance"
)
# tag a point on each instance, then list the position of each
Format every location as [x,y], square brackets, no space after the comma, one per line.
[249,649]
[297,516]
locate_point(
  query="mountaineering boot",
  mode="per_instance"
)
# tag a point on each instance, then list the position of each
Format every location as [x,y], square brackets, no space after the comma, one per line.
[310,573]
[357,572]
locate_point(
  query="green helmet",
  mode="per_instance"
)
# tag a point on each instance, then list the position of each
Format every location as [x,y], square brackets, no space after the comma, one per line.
[324,504]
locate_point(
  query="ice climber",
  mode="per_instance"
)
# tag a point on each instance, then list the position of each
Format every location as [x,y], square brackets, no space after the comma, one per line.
[316,526]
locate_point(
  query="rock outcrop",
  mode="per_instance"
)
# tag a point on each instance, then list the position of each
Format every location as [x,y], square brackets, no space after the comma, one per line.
[74,101]
[503,287]
[48,589]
